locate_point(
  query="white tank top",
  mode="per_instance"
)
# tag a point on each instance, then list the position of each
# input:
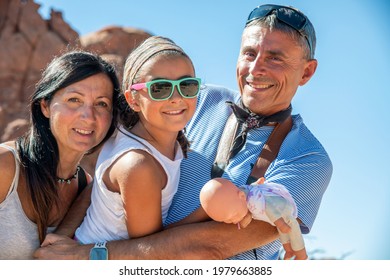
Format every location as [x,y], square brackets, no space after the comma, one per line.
[18,234]
[105,219]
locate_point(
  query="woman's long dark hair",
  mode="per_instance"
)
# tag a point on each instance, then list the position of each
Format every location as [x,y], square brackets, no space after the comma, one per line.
[38,149]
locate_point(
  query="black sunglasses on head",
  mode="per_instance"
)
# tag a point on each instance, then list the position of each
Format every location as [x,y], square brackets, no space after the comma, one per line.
[288,15]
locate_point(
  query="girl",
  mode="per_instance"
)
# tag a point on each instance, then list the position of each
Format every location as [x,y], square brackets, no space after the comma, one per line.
[137,171]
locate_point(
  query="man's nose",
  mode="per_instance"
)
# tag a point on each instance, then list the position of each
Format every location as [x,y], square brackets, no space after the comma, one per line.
[258,66]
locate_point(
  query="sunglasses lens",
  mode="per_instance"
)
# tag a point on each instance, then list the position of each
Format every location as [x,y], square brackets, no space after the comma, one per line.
[160,90]
[292,18]
[260,12]
[285,14]
[189,88]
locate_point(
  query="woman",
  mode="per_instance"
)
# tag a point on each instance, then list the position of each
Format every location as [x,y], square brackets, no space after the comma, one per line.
[73,111]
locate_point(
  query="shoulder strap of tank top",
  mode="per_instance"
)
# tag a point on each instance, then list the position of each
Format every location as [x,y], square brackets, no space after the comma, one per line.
[15,182]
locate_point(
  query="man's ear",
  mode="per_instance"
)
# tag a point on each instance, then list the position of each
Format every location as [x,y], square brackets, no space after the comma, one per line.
[45,108]
[131,100]
[308,72]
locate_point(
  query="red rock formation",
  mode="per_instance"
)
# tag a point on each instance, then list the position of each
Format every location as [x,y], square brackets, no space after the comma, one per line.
[114,43]
[28,43]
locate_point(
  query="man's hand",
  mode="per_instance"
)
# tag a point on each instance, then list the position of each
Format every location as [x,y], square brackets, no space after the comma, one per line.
[52,238]
[59,247]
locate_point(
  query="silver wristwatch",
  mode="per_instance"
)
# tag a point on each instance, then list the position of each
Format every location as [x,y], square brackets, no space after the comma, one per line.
[99,251]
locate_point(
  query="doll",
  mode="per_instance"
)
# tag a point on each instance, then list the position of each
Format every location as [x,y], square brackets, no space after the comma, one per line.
[270,202]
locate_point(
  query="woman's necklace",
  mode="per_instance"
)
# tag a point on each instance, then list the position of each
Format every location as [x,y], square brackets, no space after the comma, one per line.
[68,180]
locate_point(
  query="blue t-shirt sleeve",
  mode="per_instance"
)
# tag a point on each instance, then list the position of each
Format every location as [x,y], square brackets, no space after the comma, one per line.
[306,177]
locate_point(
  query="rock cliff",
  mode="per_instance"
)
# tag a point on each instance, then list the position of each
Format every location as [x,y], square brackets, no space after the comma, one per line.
[28,43]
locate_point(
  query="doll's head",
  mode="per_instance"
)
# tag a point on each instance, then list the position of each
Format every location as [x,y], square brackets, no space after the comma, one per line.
[223,201]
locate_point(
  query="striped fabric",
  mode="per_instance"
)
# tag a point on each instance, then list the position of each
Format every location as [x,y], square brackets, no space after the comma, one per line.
[302,164]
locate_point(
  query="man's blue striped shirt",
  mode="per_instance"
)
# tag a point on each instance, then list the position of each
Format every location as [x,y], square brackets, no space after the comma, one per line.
[302,165]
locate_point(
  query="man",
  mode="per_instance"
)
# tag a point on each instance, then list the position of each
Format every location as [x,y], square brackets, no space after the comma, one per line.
[276,57]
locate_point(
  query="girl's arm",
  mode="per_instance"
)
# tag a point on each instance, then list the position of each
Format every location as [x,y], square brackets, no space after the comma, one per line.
[199,215]
[139,179]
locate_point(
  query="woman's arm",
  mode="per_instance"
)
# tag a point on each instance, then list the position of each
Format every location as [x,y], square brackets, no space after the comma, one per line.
[76,213]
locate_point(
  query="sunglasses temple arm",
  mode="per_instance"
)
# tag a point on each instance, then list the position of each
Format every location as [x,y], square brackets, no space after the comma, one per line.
[138,86]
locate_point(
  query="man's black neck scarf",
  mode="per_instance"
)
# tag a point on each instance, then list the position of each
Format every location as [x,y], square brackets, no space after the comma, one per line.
[248,120]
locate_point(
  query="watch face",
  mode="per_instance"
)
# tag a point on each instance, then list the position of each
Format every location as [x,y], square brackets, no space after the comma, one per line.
[98,254]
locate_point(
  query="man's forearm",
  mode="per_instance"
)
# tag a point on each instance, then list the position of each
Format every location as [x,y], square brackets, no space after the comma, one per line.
[207,240]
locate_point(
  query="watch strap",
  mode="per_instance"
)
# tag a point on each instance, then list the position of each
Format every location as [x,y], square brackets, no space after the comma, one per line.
[99,251]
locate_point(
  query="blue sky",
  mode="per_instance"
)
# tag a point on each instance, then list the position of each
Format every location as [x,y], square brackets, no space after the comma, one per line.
[345,104]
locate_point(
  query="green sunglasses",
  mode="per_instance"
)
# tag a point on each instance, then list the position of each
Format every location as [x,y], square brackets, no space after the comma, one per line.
[162,89]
